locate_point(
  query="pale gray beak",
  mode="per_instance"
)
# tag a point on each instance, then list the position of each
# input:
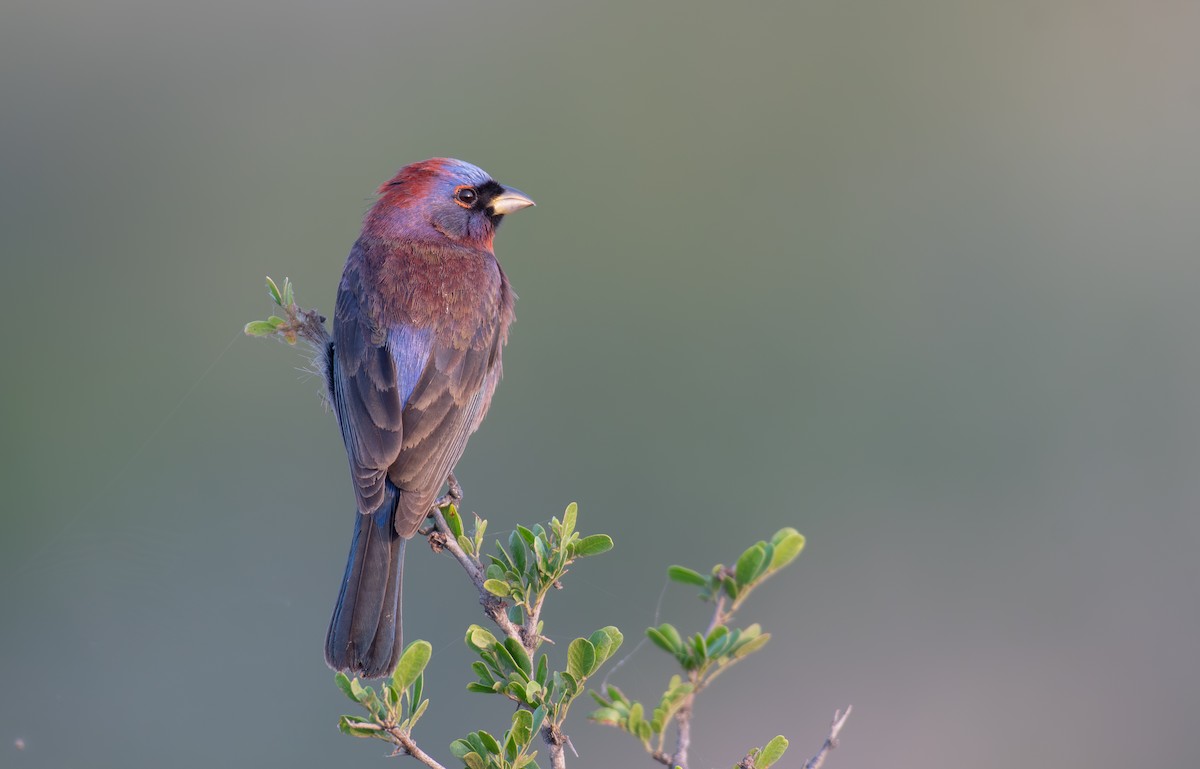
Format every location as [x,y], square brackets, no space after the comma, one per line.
[510,200]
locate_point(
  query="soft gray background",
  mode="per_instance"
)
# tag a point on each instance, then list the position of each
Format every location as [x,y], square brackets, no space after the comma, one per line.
[917,278]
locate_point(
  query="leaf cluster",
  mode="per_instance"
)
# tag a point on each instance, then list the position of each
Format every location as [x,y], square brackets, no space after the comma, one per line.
[759,562]
[708,654]
[543,696]
[480,750]
[766,756]
[521,575]
[398,705]
[703,656]
[285,298]
[534,561]
[618,710]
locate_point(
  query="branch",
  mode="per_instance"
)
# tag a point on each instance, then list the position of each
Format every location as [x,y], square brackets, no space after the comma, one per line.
[492,605]
[684,720]
[408,747]
[554,740]
[831,742]
[683,716]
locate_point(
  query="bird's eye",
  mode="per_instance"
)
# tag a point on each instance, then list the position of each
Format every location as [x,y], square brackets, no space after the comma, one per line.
[466,196]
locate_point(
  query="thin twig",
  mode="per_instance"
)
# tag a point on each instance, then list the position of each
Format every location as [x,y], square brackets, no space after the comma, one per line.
[408,747]
[683,716]
[831,742]
[492,605]
[684,720]
[719,616]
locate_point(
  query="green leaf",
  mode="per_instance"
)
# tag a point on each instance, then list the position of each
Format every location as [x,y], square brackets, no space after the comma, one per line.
[517,546]
[460,748]
[416,716]
[718,641]
[635,716]
[751,646]
[593,545]
[581,658]
[418,689]
[515,690]
[475,686]
[489,742]
[473,761]
[496,587]
[605,643]
[454,521]
[412,663]
[343,683]
[477,743]
[519,656]
[539,715]
[356,727]
[568,522]
[357,692]
[542,669]
[468,547]
[510,746]
[686,576]
[509,662]
[788,544]
[522,726]
[480,528]
[671,636]
[700,647]
[662,641]
[606,716]
[273,291]
[772,752]
[289,295]
[749,564]
[258,328]
[502,557]
[480,639]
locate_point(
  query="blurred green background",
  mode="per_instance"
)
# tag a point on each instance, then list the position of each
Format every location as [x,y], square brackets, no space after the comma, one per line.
[916,278]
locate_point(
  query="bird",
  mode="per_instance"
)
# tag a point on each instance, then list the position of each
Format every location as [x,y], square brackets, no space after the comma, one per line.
[423,312]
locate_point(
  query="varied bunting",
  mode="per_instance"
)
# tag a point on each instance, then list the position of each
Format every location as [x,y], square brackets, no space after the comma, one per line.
[422,313]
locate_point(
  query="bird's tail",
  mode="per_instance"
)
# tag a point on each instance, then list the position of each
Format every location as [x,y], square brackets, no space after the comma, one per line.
[365,637]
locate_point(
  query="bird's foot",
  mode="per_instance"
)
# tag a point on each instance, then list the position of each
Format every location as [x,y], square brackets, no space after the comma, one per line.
[453,495]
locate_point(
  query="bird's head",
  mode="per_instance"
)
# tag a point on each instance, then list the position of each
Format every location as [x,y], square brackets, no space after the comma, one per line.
[443,198]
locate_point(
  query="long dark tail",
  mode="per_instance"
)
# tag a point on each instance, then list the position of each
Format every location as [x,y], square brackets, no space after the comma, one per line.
[365,637]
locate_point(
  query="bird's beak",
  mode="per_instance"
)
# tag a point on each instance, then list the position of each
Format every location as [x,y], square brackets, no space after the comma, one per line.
[510,200]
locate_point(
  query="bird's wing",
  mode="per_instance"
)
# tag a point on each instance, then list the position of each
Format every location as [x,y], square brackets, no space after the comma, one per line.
[370,386]
[441,413]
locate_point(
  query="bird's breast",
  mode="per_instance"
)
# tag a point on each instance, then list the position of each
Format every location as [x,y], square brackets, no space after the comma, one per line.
[455,292]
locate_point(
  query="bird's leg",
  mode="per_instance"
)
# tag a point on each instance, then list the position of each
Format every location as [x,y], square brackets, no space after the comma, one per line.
[453,495]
